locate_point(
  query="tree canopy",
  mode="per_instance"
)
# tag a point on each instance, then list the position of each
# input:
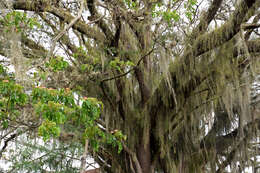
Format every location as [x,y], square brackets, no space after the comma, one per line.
[141,86]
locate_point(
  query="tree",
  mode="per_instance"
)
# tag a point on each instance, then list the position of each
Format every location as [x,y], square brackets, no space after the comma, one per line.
[179,80]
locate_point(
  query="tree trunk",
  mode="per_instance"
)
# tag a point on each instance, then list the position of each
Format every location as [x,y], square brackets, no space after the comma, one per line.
[144,157]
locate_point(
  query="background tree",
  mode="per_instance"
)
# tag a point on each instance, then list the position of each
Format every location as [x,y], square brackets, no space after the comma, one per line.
[179,79]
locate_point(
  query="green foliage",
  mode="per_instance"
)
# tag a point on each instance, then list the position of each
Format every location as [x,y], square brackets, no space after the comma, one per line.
[12,97]
[90,60]
[115,139]
[44,95]
[48,129]
[130,4]
[58,106]
[55,107]
[169,15]
[86,67]
[80,53]
[57,64]
[13,92]
[172,15]
[119,65]
[2,70]
[98,137]
[52,111]
[55,156]
[93,132]
[19,20]
[41,74]
[190,8]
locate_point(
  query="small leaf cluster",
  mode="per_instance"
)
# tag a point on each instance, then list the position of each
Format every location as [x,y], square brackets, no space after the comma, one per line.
[19,20]
[190,8]
[119,65]
[48,129]
[3,72]
[86,67]
[172,15]
[94,133]
[169,16]
[115,139]
[90,60]
[130,4]
[97,137]
[57,64]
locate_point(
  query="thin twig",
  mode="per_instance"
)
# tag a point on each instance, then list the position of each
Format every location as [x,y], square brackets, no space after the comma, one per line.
[54,41]
[132,69]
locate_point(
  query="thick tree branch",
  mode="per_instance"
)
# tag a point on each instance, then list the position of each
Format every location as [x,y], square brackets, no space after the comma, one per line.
[203,44]
[102,25]
[145,92]
[71,23]
[6,143]
[209,41]
[134,157]
[223,142]
[206,19]
[255,21]
[38,6]
[238,146]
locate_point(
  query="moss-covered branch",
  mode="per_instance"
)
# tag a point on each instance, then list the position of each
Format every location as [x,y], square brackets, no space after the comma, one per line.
[101,23]
[206,19]
[219,36]
[38,6]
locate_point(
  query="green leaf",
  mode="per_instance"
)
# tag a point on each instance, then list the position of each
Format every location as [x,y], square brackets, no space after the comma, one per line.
[5,124]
